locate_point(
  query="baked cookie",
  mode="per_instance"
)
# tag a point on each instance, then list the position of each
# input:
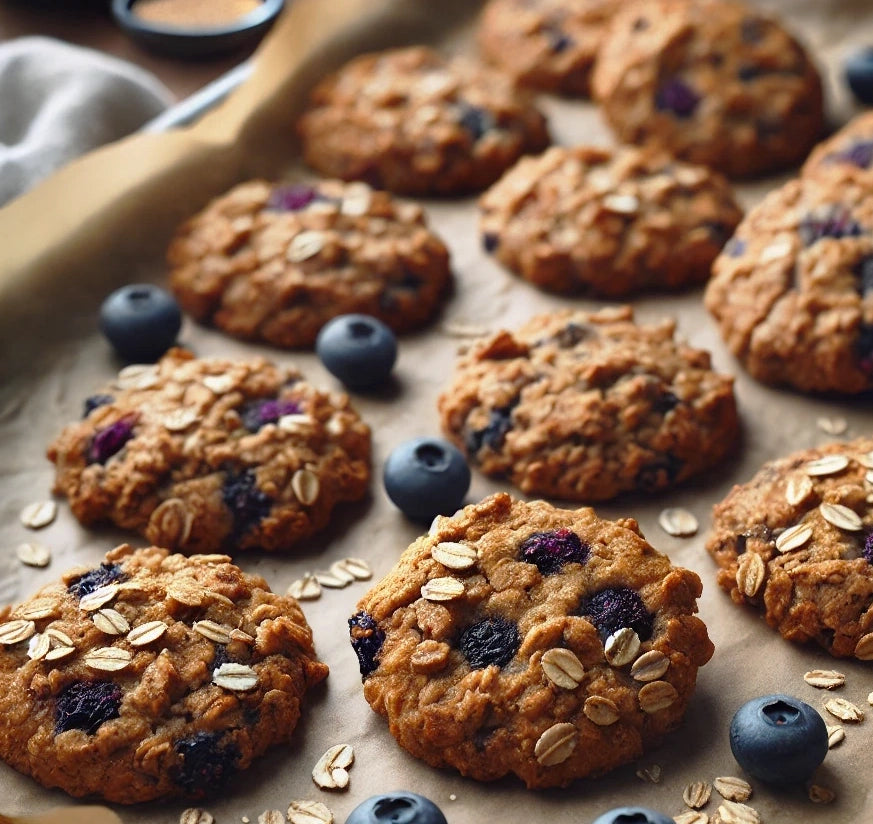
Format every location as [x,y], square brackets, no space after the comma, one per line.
[520,638]
[546,44]
[714,82]
[797,543]
[582,406]
[410,121]
[205,454]
[153,675]
[849,149]
[609,222]
[275,262]
[793,289]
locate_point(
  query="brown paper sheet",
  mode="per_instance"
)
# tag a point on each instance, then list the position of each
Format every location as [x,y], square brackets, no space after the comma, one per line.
[105,221]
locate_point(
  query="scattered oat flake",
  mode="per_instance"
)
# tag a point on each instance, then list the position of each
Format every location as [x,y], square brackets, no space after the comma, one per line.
[39,514]
[820,795]
[38,608]
[824,679]
[656,695]
[556,744]
[797,489]
[650,666]
[844,710]
[138,376]
[841,517]
[691,817]
[832,426]
[652,774]
[327,579]
[621,647]
[331,770]
[750,574]
[33,554]
[678,522]
[110,622]
[697,794]
[827,465]
[836,735]
[870,698]
[600,710]
[146,633]
[14,632]
[562,668]
[794,537]
[864,647]
[107,659]
[306,588]
[271,817]
[309,812]
[733,788]
[358,568]
[194,815]
[38,647]
[732,812]
[57,653]
[238,677]
[220,633]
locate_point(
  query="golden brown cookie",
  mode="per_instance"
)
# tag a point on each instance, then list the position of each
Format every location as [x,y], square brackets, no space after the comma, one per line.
[275,262]
[608,222]
[848,150]
[520,638]
[153,675]
[412,122]
[207,454]
[796,542]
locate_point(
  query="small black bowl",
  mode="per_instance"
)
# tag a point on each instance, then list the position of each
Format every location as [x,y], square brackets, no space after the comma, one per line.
[197,41]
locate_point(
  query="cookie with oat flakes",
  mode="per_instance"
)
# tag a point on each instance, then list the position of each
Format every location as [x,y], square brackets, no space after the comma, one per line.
[410,121]
[152,675]
[520,638]
[608,222]
[585,405]
[275,262]
[206,454]
[796,542]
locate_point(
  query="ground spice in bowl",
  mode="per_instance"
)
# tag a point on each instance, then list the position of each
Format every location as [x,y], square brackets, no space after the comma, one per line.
[193,12]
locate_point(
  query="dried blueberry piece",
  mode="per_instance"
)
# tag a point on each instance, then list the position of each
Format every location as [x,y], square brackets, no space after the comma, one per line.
[864,348]
[476,120]
[205,764]
[574,333]
[141,321]
[735,247]
[617,607]
[858,70]
[96,578]
[665,402]
[867,552]
[109,440]
[367,640]
[749,71]
[859,153]
[719,232]
[834,221]
[676,96]
[256,414]
[293,197]
[660,473]
[490,241]
[492,434]
[558,40]
[549,551]
[85,705]
[248,504]
[864,272]
[95,402]
[492,641]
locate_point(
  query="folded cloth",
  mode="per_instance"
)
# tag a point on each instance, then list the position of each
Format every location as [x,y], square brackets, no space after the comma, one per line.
[58,101]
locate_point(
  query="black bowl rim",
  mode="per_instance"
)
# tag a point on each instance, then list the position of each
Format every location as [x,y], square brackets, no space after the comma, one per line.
[267,10]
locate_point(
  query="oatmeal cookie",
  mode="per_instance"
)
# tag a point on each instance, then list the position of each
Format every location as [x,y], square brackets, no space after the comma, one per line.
[796,542]
[610,222]
[275,262]
[714,82]
[410,121]
[520,638]
[582,406]
[545,44]
[849,149]
[207,454]
[793,289]
[153,675]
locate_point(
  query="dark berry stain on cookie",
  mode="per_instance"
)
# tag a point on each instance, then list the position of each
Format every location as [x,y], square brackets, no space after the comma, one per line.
[85,705]
[665,402]
[676,96]
[248,504]
[864,348]
[758,533]
[293,198]
[574,333]
[400,288]
[256,414]
[612,609]
[867,551]
[859,153]
[205,764]
[864,276]
[367,640]
[831,222]
[660,473]
[476,120]
[95,402]
[96,578]
[735,247]
[558,40]
[109,440]
[492,641]
[491,436]
[549,551]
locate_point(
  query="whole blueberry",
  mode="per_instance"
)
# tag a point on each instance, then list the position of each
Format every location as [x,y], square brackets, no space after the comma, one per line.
[633,815]
[358,349]
[859,74]
[778,739]
[141,321]
[426,477]
[400,807]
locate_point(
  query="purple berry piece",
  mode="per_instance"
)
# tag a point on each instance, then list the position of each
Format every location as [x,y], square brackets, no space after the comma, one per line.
[367,640]
[259,413]
[859,153]
[735,247]
[867,552]
[248,504]
[205,765]
[85,706]
[660,473]
[475,120]
[292,198]
[617,607]
[109,440]
[574,333]
[831,222]
[492,641]
[665,402]
[94,402]
[96,578]
[559,41]
[549,551]
[490,241]
[676,96]
[491,436]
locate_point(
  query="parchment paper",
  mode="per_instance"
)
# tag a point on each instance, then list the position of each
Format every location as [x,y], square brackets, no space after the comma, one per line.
[105,221]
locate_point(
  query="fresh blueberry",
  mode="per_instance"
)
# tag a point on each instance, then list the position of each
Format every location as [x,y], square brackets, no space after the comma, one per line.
[400,807]
[358,349]
[84,706]
[778,739]
[858,69]
[633,815]
[426,477]
[141,321]
[492,641]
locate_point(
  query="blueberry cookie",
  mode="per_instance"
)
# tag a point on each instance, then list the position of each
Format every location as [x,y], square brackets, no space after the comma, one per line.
[208,454]
[545,44]
[793,289]
[849,149]
[152,675]
[582,406]
[520,638]
[796,542]
[275,262]
[609,222]
[410,121]
[714,82]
